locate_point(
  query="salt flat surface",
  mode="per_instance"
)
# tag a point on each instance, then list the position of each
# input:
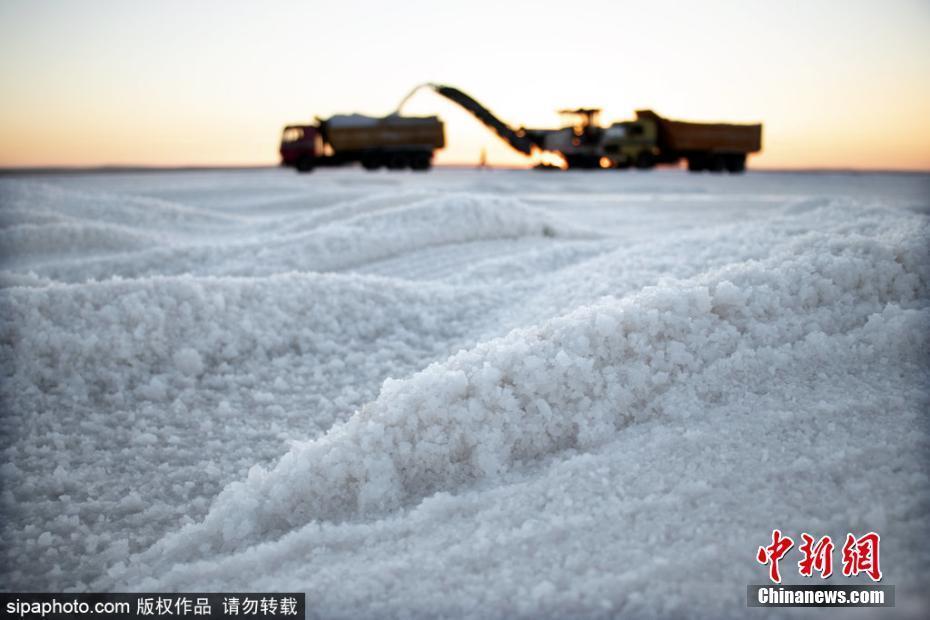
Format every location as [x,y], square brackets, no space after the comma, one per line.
[462,393]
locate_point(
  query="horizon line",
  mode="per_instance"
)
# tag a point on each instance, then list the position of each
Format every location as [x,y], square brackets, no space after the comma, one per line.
[131,168]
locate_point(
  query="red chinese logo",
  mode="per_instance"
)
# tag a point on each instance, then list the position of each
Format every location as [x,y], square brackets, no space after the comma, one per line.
[860,555]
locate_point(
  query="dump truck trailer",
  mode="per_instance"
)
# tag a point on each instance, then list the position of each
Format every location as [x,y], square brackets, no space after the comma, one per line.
[394,142]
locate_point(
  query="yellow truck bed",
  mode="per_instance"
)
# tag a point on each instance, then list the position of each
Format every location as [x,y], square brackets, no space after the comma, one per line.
[707,137]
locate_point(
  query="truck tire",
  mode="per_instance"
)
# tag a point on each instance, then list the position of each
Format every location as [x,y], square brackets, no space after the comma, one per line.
[716,163]
[421,161]
[581,162]
[397,161]
[645,160]
[736,163]
[697,163]
[372,161]
[304,164]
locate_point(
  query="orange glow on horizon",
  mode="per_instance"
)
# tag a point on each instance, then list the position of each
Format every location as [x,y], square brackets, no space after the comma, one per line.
[839,86]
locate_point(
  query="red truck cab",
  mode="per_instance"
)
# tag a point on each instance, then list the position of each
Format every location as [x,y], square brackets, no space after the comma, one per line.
[300,145]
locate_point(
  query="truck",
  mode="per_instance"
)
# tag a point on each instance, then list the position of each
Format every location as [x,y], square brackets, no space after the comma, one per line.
[644,142]
[651,139]
[394,142]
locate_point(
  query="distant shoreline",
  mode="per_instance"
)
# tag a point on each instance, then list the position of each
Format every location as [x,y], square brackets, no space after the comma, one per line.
[50,170]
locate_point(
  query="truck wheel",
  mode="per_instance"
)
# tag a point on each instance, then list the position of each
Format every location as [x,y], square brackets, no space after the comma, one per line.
[372,161]
[645,160]
[736,163]
[697,164]
[716,163]
[580,162]
[421,161]
[397,161]
[304,164]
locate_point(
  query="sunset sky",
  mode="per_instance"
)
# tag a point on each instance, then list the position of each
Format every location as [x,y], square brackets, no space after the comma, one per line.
[842,84]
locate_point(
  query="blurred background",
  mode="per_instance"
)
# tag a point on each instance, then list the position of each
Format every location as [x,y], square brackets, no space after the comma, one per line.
[838,84]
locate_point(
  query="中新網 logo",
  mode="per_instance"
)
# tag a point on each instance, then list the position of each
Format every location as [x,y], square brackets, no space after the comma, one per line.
[859,555]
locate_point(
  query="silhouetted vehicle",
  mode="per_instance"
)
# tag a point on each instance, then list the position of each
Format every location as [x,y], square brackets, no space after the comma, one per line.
[393,142]
[644,142]
[652,139]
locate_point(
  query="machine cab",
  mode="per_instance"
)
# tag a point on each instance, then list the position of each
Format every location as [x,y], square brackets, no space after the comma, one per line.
[629,133]
[632,143]
[299,141]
